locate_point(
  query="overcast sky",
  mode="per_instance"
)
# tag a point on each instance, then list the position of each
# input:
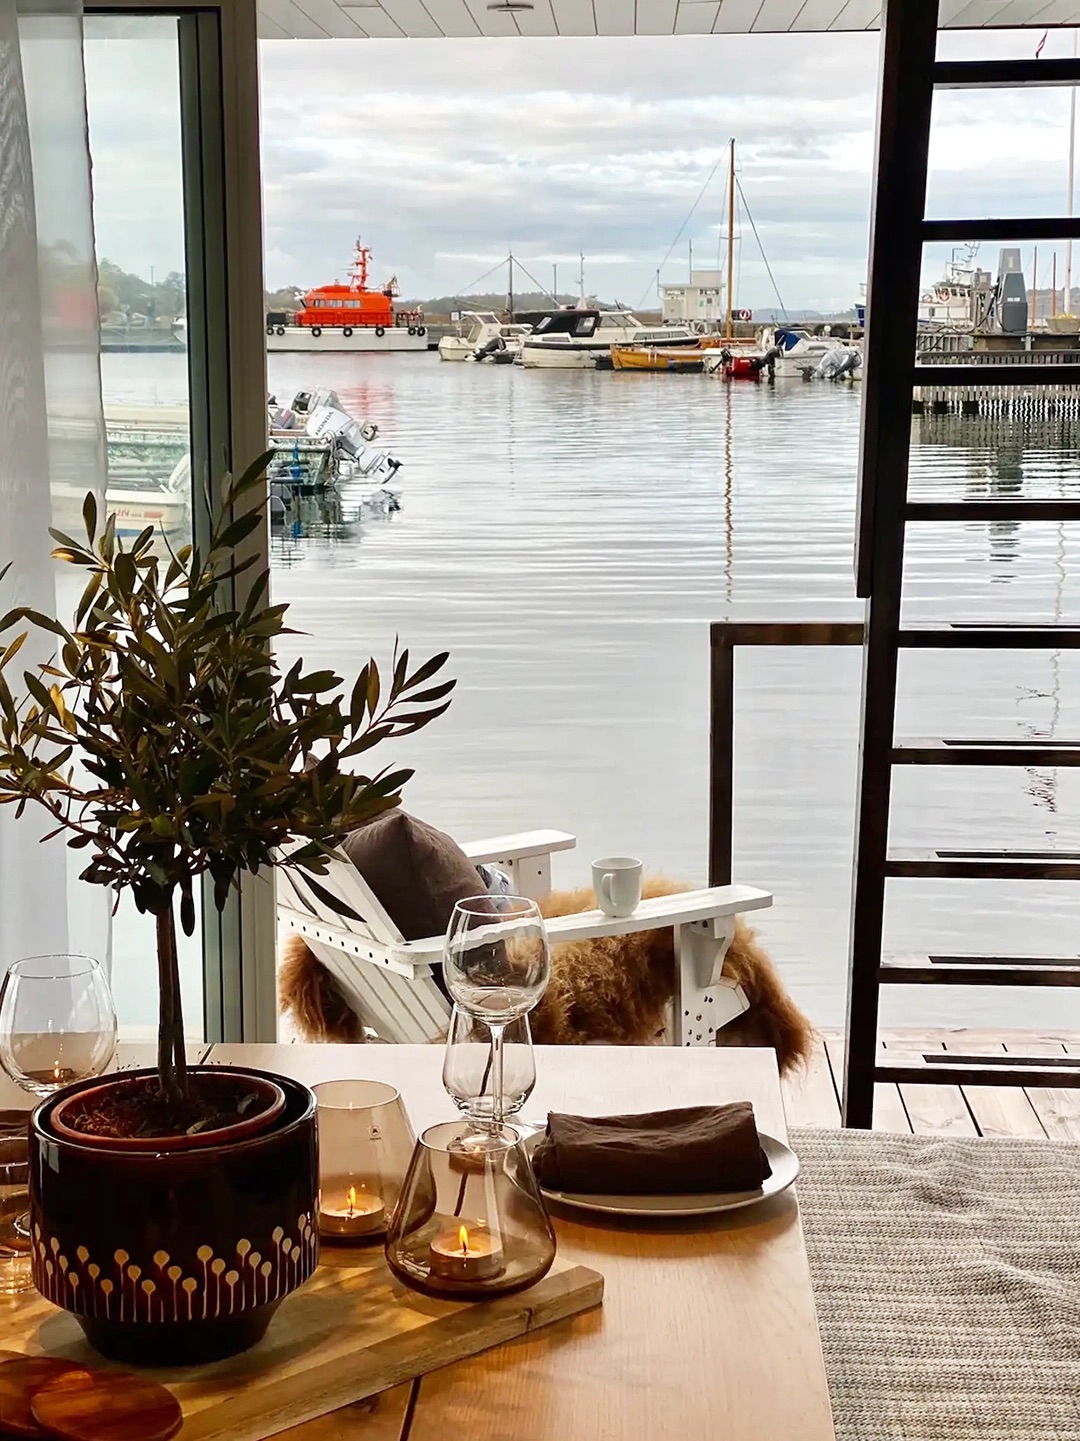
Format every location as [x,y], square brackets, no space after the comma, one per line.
[444,154]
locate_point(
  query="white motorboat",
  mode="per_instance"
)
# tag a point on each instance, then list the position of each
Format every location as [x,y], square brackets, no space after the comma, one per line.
[320,446]
[157,498]
[580,338]
[800,352]
[482,336]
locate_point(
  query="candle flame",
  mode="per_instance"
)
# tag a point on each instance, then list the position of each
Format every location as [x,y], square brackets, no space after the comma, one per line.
[463,1237]
[351,1199]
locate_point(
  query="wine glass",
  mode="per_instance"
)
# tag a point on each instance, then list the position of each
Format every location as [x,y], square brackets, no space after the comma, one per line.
[467,1068]
[57,1022]
[57,1025]
[496,965]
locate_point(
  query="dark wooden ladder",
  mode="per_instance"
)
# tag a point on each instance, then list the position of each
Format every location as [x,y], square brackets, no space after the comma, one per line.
[909,76]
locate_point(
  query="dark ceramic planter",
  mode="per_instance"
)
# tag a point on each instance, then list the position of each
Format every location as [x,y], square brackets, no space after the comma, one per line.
[173,1257]
[75,1098]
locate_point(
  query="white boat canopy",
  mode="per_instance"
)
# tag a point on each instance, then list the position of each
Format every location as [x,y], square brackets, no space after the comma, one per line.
[461,19]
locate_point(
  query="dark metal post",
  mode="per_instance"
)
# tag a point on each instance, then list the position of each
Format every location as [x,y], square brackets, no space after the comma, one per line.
[908,40]
[721,755]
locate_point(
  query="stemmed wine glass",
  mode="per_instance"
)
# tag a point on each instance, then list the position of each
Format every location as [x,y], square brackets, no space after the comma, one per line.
[57,1025]
[496,964]
[467,1066]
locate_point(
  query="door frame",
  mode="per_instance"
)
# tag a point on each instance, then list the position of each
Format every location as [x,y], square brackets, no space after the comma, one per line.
[222,183]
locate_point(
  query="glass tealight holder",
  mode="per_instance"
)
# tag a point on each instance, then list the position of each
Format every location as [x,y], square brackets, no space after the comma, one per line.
[470,1222]
[365,1142]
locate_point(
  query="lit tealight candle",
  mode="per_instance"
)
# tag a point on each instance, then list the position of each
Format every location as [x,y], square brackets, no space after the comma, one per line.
[361,1214]
[462,1255]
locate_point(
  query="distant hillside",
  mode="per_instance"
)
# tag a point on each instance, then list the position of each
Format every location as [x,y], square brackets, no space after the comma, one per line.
[491,300]
[122,293]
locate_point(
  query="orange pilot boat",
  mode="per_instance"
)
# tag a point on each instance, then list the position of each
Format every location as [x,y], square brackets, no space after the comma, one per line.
[348,316]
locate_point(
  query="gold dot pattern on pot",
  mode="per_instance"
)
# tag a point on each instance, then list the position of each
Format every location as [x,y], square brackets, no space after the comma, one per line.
[160,1291]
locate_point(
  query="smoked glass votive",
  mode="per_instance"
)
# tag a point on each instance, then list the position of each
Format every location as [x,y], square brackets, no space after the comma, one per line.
[470,1222]
[365,1142]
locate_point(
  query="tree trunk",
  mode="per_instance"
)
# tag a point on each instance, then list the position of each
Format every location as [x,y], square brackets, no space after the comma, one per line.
[172,1061]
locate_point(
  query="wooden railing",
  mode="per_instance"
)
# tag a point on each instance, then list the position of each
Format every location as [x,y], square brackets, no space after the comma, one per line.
[725,636]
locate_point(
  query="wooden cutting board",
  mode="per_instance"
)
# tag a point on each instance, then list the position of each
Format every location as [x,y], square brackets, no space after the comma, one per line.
[351,1332]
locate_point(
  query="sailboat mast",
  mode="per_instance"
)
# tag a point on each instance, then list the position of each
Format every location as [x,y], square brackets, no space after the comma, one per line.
[730,232]
[510,286]
[1034,285]
[1069,187]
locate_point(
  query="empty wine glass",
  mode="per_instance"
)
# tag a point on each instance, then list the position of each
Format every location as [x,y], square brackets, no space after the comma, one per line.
[467,1066]
[57,1022]
[496,964]
[57,1025]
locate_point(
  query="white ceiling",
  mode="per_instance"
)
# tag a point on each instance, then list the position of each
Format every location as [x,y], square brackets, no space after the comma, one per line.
[425,19]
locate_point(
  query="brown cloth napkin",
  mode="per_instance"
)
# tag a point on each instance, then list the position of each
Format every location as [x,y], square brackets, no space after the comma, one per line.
[685,1152]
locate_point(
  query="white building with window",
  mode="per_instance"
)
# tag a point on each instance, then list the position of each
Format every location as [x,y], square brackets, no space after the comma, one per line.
[700,298]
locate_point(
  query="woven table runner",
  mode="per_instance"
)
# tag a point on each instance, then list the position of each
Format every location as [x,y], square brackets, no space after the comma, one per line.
[947,1280]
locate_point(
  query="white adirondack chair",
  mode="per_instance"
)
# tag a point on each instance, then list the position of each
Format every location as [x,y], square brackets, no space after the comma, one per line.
[389,982]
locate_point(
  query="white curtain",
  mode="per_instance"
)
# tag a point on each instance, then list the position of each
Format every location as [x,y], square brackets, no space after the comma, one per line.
[52,434]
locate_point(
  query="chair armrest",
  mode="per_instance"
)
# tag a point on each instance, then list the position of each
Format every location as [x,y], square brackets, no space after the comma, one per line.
[677,910]
[517,847]
[682,909]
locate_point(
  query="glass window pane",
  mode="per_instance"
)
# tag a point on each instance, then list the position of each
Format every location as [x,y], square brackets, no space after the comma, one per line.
[133,100]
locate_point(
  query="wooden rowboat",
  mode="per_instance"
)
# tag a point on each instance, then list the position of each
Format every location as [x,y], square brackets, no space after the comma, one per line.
[659,357]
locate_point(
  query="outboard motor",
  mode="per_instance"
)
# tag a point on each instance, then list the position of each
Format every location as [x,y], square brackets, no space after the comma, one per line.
[491,347]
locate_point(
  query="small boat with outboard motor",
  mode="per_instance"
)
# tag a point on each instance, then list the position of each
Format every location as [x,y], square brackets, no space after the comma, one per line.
[482,336]
[318,446]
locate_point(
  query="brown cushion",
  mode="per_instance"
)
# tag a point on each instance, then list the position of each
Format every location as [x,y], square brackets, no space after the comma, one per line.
[418,873]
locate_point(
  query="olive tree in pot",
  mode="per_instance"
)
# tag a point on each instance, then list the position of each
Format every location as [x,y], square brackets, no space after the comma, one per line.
[173,1210]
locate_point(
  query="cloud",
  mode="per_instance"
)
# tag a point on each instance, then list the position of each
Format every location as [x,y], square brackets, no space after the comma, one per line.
[444,154]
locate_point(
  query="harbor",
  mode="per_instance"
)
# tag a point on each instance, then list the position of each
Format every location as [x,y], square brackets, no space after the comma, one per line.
[573,533]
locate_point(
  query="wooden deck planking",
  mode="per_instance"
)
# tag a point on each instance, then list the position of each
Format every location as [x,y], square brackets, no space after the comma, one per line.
[1057,1107]
[943,1110]
[889,1112]
[996,1110]
[810,1096]
[933,1110]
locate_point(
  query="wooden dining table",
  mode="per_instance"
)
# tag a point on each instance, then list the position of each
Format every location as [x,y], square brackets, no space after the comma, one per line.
[707,1329]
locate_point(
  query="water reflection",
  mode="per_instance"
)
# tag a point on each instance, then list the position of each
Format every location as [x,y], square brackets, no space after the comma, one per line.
[568,536]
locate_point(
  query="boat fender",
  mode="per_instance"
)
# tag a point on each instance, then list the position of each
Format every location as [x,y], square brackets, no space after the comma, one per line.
[280,330]
[316,330]
[347,331]
[412,329]
[369,430]
[380,330]
[421,330]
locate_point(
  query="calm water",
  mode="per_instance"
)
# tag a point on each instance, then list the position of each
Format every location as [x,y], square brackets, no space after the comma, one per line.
[569,536]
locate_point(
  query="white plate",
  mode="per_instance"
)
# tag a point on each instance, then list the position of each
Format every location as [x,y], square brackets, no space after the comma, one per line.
[785,1167]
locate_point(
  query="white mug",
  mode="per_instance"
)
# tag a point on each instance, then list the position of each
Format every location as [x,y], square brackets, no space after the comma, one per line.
[617,883]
